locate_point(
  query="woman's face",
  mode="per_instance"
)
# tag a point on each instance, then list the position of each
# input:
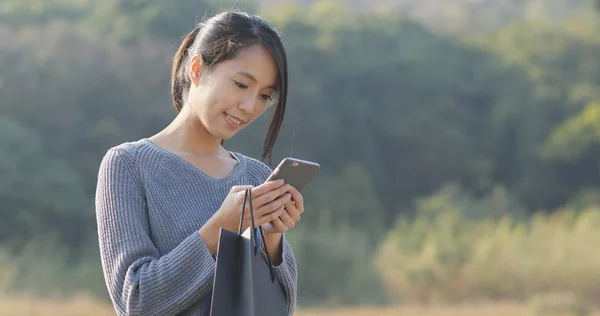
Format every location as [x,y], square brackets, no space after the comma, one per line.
[230,95]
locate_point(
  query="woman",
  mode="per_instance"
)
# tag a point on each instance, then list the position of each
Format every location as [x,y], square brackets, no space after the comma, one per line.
[161,200]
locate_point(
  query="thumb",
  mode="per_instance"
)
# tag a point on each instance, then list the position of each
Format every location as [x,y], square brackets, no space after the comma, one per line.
[240,188]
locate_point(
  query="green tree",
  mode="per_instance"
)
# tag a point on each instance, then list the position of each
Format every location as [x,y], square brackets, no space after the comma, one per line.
[15,13]
[41,197]
[128,20]
[341,226]
[576,136]
[595,5]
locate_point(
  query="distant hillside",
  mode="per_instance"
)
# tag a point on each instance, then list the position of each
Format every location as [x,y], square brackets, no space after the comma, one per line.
[461,15]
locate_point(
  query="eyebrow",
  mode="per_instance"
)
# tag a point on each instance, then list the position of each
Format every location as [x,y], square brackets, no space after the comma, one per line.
[251,77]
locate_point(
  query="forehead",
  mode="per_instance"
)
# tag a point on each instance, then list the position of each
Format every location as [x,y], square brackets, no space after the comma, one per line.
[256,61]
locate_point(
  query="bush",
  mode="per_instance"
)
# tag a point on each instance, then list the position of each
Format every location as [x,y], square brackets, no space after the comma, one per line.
[557,304]
[335,240]
[44,269]
[445,256]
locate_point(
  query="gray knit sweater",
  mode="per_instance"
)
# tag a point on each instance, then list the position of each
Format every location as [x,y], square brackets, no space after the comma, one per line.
[150,204]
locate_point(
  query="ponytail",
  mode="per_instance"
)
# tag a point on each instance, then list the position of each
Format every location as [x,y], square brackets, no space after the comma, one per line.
[179,79]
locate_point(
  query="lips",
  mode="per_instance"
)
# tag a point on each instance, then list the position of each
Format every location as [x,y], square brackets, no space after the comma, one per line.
[233,119]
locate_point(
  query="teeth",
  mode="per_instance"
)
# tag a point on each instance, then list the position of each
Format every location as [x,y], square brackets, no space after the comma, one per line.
[233,119]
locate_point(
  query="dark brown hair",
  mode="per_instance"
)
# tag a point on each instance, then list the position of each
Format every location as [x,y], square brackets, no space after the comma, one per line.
[221,38]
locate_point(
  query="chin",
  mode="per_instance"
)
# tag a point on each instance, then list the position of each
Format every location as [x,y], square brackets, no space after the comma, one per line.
[227,137]
[224,135]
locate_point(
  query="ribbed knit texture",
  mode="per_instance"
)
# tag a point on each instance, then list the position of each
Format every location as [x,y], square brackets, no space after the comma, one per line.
[150,204]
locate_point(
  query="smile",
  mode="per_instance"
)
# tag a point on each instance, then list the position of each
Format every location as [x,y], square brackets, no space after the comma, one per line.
[233,119]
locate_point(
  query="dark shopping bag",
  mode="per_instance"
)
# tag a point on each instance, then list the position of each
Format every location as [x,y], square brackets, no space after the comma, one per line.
[244,282]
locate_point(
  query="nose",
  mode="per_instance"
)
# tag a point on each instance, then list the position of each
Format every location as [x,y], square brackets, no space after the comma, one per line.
[248,105]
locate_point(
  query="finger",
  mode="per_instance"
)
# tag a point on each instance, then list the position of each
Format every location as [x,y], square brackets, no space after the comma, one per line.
[292,211]
[274,205]
[270,196]
[298,199]
[240,196]
[287,220]
[239,188]
[266,187]
[263,219]
[279,226]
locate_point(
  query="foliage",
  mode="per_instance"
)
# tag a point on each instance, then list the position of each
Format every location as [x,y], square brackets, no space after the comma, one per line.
[128,21]
[45,269]
[575,136]
[558,304]
[40,196]
[463,16]
[445,256]
[391,108]
[338,235]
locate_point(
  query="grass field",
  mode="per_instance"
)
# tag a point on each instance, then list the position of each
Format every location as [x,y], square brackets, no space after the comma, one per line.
[26,307]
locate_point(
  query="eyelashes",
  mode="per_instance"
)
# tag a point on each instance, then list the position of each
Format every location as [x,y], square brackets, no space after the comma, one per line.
[240,85]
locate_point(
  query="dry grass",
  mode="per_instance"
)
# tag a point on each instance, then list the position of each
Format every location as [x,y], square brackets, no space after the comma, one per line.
[15,306]
[471,310]
[20,306]
[446,256]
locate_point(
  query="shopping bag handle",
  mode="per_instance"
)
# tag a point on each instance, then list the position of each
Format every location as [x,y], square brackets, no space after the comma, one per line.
[253,236]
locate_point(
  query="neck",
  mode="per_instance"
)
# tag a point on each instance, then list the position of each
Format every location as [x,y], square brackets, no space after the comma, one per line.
[187,134]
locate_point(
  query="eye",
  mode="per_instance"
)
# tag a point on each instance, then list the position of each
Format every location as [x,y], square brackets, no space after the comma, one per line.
[266,97]
[240,85]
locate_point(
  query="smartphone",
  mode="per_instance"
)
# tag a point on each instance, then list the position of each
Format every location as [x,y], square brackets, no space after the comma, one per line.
[295,172]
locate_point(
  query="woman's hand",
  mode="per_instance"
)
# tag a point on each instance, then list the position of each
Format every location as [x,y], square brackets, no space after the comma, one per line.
[289,214]
[268,200]
[287,218]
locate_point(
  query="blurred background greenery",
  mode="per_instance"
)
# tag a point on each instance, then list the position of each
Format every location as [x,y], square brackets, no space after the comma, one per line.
[459,140]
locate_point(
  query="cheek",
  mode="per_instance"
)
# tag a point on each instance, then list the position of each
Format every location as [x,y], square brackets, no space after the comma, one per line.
[224,98]
[208,102]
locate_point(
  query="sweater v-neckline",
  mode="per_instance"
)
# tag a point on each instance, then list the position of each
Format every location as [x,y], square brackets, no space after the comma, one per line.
[232,174]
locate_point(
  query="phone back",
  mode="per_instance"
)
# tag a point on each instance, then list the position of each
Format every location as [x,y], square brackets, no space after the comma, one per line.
[296,172]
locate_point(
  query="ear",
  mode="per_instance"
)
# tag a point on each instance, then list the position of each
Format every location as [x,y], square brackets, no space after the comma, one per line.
[195,69]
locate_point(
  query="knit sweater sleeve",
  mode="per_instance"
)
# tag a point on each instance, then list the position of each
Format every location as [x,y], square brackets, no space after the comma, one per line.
[140,281]
[287,270]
